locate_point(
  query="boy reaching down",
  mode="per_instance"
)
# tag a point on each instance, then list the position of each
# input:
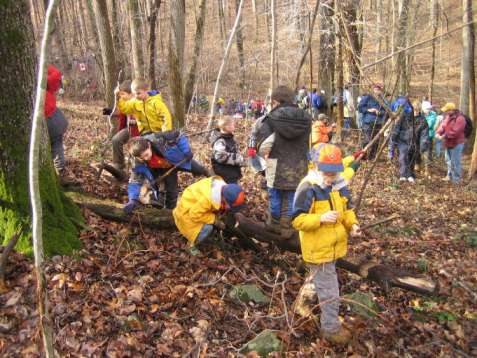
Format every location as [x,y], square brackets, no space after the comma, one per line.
[323,215]
[199,209]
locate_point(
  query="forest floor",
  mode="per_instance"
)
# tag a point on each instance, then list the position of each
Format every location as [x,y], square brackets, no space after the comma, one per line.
[134,292]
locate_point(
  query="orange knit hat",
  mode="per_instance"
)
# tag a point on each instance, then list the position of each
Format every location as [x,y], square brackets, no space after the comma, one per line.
[329,159]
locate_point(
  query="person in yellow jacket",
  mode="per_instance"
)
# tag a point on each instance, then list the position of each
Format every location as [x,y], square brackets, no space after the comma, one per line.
[152,114]
[323,215]
[201,205]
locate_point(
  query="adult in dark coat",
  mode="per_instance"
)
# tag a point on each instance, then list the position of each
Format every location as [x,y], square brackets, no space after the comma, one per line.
[285,131]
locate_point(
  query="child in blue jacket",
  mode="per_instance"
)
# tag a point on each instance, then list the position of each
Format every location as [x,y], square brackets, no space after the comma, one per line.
[155,154]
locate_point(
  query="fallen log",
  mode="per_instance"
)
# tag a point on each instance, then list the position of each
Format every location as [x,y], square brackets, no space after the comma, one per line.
[118,174]
[246,229]
[111,210]
[385,276]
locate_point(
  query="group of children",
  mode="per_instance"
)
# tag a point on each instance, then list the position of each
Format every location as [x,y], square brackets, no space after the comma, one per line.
[419,135]
[307,189]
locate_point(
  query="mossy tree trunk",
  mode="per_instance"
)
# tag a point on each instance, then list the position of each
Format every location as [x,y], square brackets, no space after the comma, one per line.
[59,233]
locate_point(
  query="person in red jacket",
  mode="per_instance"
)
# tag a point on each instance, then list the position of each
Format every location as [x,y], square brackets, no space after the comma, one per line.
[55,119]
[452,133]
[127,127]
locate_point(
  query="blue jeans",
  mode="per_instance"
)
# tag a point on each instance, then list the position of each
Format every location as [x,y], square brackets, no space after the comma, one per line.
[453,160]
[405,170]
[347,122]
[205,232]
[437,147]
[276,198]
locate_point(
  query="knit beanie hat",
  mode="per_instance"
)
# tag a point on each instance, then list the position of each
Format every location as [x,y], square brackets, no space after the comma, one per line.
[234,196]
[328,159]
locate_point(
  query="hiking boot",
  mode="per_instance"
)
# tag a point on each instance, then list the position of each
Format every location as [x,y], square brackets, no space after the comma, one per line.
[402,179]
[273,224]
[411,180]
[341,337]
[286,229]
[194,251]
[447,178]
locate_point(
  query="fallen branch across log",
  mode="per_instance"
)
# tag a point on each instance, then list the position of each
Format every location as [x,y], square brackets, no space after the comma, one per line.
[246,229]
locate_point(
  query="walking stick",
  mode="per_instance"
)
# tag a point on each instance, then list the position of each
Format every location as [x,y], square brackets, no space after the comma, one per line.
[169,171]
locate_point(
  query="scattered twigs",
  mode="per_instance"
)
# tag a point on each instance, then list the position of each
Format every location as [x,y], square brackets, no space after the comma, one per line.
[460,283]
[213,283]
[370,171]
[169,171]
[382,221]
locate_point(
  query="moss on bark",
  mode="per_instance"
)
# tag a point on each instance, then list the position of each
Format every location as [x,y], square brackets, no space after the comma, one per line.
[18,78]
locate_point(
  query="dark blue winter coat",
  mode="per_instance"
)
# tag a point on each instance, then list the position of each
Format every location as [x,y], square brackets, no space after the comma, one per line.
[173,146]
[368,102]
[404,129]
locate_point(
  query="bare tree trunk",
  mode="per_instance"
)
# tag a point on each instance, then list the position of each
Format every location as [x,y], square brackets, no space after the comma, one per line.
[308,48]
[255,14]
[272,47]
[176,60]
[199,40]
[222,65]
[401,65]
[118,39]
[152,42]
[468,17]
[350,20]
[241,57]
[327,50]
[34,185]
[434,7]
[223,28]
[340,84]
[136,36]
[107,49]
[467,57]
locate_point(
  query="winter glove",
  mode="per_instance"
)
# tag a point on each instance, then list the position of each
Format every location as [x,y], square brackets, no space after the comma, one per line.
[355,166]
[358,153]
[130,206]
[218,223]
[252,152]
[329,217]
[107,111]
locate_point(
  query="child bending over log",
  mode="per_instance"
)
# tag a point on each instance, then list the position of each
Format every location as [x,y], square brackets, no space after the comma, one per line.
[201,205]
[156,155]
[323,215]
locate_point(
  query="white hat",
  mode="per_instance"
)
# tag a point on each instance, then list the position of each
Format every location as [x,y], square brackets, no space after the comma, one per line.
[426,106]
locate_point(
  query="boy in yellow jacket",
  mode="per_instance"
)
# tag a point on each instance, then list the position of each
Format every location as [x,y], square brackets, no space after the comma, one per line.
[198,210]
[323,215]
[152,114]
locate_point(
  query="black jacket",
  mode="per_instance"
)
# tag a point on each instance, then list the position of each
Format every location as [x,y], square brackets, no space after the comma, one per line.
[287,163]
[226,159]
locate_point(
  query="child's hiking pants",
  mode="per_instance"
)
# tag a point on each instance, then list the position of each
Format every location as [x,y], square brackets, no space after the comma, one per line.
[326,284]
[57,125]
[119,140]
